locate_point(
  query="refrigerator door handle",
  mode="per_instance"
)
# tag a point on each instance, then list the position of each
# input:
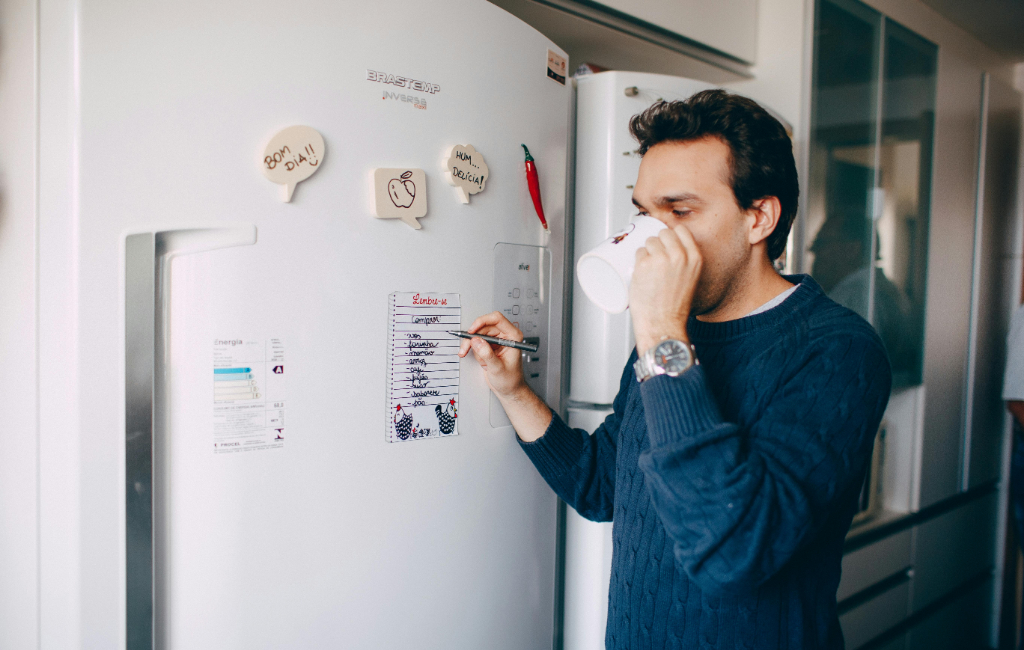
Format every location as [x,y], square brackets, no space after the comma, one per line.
[146,287]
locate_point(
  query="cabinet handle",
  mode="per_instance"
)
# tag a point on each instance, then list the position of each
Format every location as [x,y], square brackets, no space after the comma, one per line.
[147,257]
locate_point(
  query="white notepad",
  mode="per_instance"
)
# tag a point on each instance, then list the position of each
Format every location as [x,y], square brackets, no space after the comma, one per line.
[423,365]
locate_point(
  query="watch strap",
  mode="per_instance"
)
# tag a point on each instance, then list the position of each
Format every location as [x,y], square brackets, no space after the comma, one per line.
[645,368]
[642,366]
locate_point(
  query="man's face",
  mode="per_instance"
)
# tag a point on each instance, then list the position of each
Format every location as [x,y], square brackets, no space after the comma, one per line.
[688,183]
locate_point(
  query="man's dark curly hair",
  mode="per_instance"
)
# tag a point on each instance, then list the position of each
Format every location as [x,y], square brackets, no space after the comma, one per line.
[761,162]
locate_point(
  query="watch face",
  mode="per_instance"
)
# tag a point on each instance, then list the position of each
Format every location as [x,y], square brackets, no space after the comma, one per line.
[672,356]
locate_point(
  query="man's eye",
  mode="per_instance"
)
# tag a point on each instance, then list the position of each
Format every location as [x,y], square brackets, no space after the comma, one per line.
[681,213]
[641,213]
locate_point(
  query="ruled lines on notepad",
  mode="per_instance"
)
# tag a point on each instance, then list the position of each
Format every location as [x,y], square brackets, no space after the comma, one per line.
[423,365]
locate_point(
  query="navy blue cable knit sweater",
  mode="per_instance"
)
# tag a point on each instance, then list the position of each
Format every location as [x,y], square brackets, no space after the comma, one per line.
[733,485]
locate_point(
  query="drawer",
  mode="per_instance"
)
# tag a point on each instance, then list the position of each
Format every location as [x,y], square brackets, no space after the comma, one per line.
[872,618]
[962,623]
[953,548]
[899,643]
[873,563]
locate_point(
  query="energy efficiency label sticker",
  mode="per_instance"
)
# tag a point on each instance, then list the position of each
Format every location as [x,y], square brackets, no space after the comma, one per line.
[248,395]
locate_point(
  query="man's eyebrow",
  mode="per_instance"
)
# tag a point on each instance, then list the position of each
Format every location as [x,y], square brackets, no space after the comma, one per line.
[679,198]
[669,200]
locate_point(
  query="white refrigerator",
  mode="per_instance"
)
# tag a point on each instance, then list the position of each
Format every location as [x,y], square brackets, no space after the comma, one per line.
[607,164]
[253,431]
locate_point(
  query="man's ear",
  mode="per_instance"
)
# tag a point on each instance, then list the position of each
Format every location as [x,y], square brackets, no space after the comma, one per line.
[765,213]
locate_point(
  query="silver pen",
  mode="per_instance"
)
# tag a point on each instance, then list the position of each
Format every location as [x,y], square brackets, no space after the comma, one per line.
[528,347]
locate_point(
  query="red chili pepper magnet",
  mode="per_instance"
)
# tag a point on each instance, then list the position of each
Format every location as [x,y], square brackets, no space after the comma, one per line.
[534,184]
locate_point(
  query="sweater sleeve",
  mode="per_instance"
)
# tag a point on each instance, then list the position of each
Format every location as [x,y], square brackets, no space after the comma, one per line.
[580,468]
[739,503]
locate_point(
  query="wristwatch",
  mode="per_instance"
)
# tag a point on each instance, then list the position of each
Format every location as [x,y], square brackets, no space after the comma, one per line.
[670,357]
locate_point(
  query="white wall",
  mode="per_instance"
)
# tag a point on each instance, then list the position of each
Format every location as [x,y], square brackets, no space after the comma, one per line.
[783,42]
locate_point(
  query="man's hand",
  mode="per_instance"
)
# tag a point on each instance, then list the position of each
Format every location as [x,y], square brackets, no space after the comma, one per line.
[664,279]
[503,368]
[503,365]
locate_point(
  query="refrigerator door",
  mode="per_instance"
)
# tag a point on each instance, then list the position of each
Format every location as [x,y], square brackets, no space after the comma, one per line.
[323,534]
[606,169]
[588,563]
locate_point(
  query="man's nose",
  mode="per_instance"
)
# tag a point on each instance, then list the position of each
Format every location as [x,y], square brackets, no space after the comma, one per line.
[665,217]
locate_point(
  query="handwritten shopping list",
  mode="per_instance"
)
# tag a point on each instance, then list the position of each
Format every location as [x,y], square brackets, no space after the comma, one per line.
[423,365]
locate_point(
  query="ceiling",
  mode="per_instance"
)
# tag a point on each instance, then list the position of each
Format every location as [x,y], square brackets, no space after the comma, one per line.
[999,24]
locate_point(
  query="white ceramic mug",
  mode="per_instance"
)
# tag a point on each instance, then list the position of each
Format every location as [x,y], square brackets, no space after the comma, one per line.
[605,272]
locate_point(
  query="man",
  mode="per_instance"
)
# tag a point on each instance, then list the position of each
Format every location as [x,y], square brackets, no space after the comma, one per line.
[732,482]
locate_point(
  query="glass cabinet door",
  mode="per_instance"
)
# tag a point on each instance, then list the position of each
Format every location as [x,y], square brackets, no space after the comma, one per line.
[904,190]
[844,128]
[873,100]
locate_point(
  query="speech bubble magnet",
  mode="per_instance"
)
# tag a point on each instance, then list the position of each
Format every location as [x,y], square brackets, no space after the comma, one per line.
[292,155]
[466,170]
[400,193]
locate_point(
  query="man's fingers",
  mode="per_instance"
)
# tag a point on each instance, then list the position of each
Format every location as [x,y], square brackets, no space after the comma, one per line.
[467,344]
[482,350]
[495,324]
[670,241]
[687,242]
[491,319]
[654,246]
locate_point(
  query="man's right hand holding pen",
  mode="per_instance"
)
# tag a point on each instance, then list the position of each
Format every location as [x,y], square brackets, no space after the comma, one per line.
[503,369]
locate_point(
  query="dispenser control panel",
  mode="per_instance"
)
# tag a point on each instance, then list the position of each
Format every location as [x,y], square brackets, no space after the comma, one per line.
[522,294]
